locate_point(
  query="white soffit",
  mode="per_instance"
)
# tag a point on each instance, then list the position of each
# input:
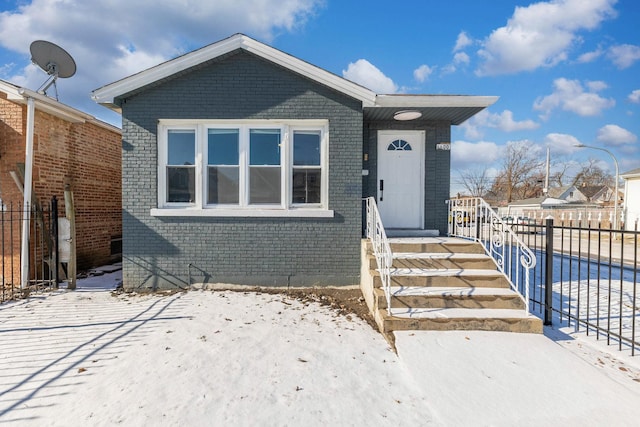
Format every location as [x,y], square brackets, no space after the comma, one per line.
[107,94]
[434,101]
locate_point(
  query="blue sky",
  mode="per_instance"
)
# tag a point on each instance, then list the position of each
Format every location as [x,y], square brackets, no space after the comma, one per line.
[566,71]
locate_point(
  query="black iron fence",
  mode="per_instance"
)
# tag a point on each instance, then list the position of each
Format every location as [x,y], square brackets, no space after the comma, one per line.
[586,276]
[42,251]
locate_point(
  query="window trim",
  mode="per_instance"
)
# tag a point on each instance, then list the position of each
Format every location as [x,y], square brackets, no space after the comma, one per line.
[324,169]
[286,207]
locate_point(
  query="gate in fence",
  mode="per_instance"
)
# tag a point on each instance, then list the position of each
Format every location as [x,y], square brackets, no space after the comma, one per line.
[42,248]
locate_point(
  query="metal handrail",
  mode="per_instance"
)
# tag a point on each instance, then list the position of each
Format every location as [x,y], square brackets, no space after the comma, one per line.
[473,218]
[381,249]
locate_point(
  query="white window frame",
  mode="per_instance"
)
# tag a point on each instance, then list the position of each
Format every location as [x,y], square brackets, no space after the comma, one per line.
[324,161]
[283,209]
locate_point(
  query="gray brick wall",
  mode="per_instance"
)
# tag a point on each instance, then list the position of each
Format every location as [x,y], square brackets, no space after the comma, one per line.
[437,166]
[170,252]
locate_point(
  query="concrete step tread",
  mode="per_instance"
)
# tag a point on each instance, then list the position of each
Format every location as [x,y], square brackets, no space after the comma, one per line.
[443,272]
[446,240]
[449,291]
[439,256]
[460,313]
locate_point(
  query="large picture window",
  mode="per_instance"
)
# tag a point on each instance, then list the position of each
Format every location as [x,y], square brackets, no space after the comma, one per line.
[251,168]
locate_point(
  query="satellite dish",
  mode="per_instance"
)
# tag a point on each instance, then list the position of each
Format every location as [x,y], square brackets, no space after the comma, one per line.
[54,60]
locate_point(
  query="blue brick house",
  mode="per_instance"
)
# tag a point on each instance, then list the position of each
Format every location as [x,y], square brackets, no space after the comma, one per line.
[242,164]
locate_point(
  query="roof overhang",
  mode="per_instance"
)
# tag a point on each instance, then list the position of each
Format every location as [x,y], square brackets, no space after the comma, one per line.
[48,105]
[635,173]
[454,109]
[107,95]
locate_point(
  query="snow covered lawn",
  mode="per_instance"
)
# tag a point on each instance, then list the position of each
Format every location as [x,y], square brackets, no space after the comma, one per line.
[207,358]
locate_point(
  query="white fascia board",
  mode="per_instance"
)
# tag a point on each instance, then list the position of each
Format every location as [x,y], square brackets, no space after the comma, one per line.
[106,94]
[435,101]
[634,173]
[49,105]
[306,69]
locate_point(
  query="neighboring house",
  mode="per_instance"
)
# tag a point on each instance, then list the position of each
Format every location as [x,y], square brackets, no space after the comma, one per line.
[518,206]
[70,147]
[243,164]
[631,198]
[568,193]
[601,194]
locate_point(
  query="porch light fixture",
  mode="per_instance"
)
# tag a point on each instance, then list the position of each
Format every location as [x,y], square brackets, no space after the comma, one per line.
[405,115]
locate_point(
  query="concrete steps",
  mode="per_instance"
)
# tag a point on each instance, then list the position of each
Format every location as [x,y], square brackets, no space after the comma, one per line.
[440,283]
[460,320]
[438,260]
[450,297]
[444,277]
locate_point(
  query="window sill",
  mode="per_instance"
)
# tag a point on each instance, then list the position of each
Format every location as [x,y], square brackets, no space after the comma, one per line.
[246,213]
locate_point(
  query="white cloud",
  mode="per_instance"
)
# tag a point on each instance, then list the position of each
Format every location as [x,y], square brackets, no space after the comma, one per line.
[422,73]
[448,69]
[368,75]
[461,58]
[624,56]
[590,56]
[596,85]
[465,153]
[616,135]
[540,35]
[634,96]
[462,41]
[561,143]
[110,40]
[570,95]
[472,129]
[503,121]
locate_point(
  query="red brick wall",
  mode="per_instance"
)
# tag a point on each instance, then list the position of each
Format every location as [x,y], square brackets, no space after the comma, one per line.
[84,155]
[11,141]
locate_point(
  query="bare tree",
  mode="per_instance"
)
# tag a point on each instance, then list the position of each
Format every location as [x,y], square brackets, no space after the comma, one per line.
[531,186]
[476,181]
[559,177]
[593,175]
[521,168]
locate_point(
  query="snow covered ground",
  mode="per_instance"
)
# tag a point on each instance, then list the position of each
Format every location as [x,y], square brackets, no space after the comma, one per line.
[207,358]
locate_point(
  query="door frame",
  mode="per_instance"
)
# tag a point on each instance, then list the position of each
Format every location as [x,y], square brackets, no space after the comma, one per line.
[422,146]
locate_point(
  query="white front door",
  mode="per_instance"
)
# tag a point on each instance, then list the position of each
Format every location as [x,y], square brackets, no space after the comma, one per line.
[401,178]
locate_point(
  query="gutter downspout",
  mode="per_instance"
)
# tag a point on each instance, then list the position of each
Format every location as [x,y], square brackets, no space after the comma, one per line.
[26,201]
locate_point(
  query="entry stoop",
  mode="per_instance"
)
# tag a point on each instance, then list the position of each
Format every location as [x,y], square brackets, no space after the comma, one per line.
[443,283]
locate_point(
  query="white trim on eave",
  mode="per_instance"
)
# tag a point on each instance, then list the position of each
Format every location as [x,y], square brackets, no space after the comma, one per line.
[48,105]
[435,101]
[631,174]
[106,95]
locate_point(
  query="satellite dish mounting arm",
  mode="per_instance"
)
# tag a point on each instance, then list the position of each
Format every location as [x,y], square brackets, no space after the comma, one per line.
[51,69]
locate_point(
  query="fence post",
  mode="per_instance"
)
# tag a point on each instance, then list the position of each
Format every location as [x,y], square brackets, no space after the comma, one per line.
[54,237]
[478,210]
[548,285]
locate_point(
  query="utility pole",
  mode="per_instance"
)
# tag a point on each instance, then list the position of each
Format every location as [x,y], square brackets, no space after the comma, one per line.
[545,190]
